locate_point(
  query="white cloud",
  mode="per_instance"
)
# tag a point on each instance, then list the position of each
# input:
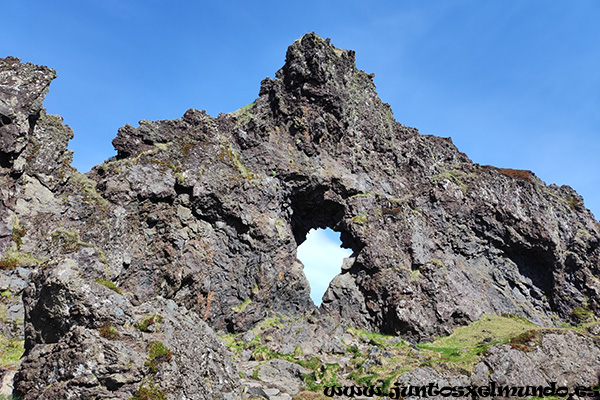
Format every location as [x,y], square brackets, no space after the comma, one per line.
[322,257]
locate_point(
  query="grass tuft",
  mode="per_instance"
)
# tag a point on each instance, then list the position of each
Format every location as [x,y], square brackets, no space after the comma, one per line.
[148,390]
[108,284]
[146,322]
[108,331]
[157,353]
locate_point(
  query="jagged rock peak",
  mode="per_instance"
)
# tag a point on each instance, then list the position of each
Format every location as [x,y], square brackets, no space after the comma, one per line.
[198,221]
[23,87]
[315,60]
[318,97]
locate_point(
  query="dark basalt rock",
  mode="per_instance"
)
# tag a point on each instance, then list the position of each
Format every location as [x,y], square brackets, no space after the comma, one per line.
[208,213]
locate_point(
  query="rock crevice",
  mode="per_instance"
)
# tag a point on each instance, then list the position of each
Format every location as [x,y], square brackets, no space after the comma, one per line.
[198,220]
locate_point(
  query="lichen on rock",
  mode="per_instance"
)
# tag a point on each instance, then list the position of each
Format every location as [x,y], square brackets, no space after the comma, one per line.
[197,220]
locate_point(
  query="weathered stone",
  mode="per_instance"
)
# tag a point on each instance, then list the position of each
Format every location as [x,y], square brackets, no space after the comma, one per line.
[284,375]
[85,340]
[198,220]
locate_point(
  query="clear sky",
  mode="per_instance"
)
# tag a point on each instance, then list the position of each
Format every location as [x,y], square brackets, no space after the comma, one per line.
[515,83]
[322,257]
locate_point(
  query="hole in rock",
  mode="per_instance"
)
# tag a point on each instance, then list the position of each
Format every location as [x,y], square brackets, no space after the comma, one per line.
[322,257]
[4,120]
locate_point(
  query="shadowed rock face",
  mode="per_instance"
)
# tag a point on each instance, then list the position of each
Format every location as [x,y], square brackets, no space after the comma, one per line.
[82,339]
[437,240]
[199,218]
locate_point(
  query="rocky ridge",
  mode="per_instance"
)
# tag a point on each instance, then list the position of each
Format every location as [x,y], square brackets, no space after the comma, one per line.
[126,272]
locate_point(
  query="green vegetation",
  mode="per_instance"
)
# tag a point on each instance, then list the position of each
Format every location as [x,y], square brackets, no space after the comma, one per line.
[374,338]
[259,350]
[148,390]
[15,258]
[108,331]
[415,276]
[321,375]
[157,353]
[255,372]
[455,176]
[375,357]
[245,108]
[582,314]
[164,165]
[360,219]
[68,240]
[437,262]
[573,203]
[86,188]
[243,115]
[262,353]
[17,234]
[526,341]
[242,306]
[11,351]
[230,341]
[464,346]
[299,124]
[399,358]
[108,284]
[329,374]
[9,262]
[228,154]
[365,194]
[310,382]
[298,352]
[145,323]
[459,351]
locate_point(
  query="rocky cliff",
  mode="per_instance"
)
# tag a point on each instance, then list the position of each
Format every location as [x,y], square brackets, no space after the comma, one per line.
[126,272]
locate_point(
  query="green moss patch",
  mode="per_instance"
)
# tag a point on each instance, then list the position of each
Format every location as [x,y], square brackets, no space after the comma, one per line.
[466,344]
[108,331]
[108,284]
[582,314]
[11,351]
[146,322]
[157,353]
[148,390]
[18,233]
[13,259]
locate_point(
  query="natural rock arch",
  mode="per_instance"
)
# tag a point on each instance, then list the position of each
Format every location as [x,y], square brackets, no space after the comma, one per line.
[207,213]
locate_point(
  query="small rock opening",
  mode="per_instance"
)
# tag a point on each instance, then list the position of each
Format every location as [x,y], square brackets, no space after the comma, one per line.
[322,256]
[319,212]
[5,120]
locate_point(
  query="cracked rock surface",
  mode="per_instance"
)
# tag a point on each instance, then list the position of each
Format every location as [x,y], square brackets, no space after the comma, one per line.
[194,224]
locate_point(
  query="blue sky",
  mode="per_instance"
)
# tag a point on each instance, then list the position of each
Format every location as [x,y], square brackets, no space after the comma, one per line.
[515,83]
[322,257]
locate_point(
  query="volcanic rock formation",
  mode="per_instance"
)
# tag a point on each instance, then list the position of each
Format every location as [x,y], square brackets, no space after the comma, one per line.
[194,226]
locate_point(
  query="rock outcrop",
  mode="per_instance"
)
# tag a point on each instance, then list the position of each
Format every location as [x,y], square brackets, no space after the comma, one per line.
[85,338]
[194,226]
